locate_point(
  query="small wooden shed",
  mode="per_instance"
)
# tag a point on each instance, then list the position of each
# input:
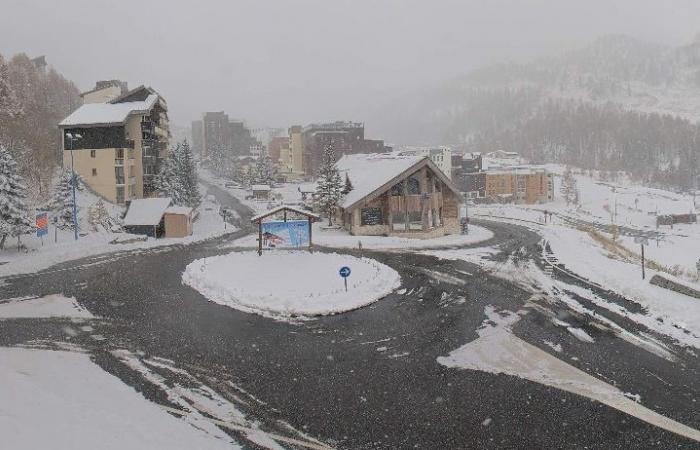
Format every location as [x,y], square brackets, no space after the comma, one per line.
[145,216]
[261,191]
[178,221]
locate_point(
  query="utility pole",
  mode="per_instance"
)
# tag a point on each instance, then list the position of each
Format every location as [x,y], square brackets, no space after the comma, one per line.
[642,261]
[71,138]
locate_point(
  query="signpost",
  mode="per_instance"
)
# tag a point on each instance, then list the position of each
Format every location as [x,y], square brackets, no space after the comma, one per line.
[641,240]
[42,226]
[345,273]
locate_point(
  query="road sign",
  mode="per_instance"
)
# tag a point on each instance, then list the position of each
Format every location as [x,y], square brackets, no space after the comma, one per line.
[641,240]
[344,271]
[42,224]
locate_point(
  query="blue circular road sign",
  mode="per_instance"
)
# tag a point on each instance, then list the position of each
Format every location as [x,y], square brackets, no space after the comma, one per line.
[344,271]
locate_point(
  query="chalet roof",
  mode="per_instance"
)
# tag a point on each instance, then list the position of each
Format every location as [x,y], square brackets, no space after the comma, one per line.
[146,211]
[281,208]
[94,114]
[377,173]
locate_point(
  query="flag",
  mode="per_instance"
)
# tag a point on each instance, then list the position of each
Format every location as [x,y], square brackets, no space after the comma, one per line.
[42,224]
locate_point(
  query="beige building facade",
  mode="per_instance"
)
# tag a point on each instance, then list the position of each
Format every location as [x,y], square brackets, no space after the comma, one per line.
[117,146]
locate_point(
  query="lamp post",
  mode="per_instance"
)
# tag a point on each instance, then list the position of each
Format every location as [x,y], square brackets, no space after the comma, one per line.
[72,138]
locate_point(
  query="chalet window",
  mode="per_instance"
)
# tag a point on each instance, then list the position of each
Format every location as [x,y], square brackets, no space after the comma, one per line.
[415,220]
[92,153]
[397,190]
[413,186]
[398,221]
[371,216]
[94,172]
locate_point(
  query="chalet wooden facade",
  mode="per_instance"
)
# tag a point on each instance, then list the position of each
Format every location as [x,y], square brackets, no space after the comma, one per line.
[398,196]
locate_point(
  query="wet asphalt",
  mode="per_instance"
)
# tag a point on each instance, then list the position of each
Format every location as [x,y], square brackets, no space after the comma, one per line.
[369,379]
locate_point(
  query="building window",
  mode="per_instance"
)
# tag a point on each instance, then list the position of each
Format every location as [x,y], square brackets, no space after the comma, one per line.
[120,194]
[413,186]
[94,172]
[398,221]
[415,220]
[119,153]
[371,216]
[92,153]
[397,190]
[119,174]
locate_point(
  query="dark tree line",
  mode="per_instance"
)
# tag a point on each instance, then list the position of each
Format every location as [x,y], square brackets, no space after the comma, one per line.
[654,148]
[32,102]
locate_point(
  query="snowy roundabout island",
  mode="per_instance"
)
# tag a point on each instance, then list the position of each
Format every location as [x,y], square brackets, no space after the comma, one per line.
[290,283]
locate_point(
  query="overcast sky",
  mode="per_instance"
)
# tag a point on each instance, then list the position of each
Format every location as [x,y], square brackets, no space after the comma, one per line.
[295,61]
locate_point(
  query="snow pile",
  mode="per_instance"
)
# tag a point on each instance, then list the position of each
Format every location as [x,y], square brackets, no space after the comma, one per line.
[62,400]
[54,305]
[290,283]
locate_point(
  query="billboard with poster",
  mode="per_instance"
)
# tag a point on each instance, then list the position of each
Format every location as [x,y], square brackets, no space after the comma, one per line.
[281,234]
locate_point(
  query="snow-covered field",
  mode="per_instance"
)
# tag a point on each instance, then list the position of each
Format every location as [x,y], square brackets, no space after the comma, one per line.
[290,283]
[62,400]
[35,256]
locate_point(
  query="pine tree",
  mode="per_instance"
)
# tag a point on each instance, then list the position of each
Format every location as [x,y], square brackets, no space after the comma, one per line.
[190,180]
[264,170]
[329,186]
[99,216]
[348,185]
[62,200]
[177,177]
[14,213]
[569,189]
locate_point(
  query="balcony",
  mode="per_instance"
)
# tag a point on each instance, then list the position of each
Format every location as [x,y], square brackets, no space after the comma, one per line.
[118,161]
[120,180]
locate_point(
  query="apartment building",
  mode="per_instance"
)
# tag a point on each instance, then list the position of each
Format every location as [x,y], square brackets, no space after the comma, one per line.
[291,160]
[347,138]
[121,142]
[217,130]
[519,185]
[440,156]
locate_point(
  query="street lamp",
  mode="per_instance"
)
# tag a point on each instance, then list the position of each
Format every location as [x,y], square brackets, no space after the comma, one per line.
[72,138]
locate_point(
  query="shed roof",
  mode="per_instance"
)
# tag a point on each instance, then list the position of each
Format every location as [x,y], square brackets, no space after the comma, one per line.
[92,114]
[179,210]
[260,187]
[146,211]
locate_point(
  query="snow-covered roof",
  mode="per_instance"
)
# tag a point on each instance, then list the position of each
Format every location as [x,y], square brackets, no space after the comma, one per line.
[369,172]
[179,210]
[146,211]
[260,187]
[274,211]
[107,113]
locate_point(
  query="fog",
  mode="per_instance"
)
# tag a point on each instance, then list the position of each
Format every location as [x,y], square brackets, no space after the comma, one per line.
[282,62]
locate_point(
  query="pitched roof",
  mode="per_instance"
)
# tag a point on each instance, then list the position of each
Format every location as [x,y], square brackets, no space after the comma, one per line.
[376,173]
[146,211]
[107,113]
[274,211]
[178,210]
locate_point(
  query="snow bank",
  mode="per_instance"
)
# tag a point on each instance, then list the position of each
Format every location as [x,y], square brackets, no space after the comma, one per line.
[43,307]
[62,400]
[290,283]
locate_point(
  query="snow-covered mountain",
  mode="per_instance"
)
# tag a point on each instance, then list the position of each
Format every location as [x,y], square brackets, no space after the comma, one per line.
[636,75]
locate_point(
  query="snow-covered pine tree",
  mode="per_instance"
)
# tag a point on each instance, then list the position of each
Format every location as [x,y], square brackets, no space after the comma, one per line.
[330,184]
[98,216]
[348,185]
[62,200]
[14,213]
[177,177]
[569,189]
[264,170]
[190,180]
[168,180]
